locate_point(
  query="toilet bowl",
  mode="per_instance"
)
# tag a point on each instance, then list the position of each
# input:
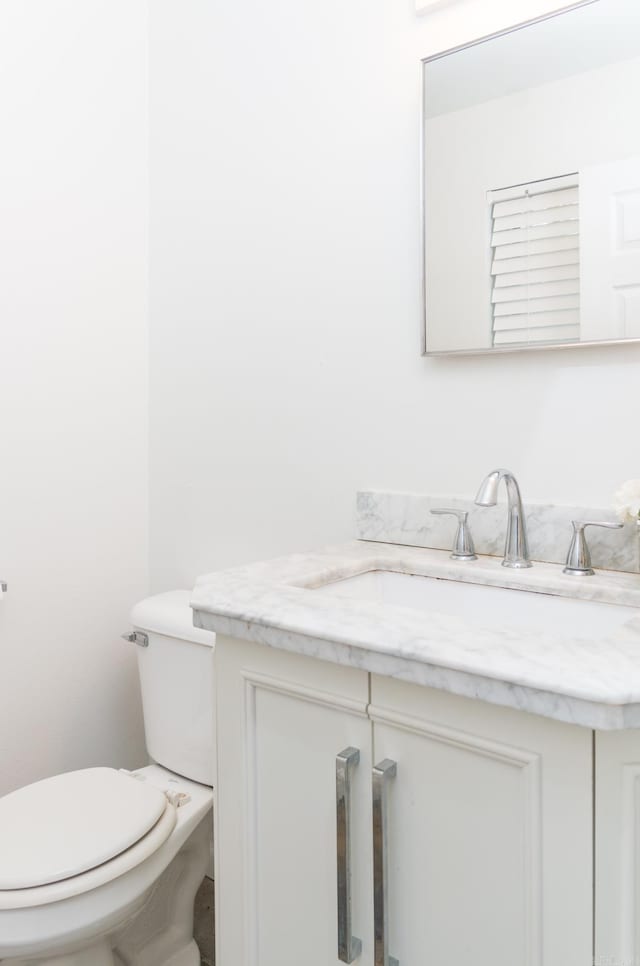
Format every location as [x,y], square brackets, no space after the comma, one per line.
[100,867]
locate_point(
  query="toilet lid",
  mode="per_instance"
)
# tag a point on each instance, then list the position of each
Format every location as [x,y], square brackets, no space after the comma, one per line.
[71,823]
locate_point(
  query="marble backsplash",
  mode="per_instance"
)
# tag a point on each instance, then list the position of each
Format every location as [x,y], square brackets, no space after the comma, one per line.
[404,518]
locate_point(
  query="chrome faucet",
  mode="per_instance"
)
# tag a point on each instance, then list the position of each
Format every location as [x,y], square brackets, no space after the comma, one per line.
[516,548]
[579,557]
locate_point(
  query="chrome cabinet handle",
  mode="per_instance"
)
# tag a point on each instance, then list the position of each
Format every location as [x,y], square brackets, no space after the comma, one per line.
[382,773]
[349,947]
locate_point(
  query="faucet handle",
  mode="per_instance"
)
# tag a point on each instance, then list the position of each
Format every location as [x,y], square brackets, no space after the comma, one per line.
[463,548]
[579,557]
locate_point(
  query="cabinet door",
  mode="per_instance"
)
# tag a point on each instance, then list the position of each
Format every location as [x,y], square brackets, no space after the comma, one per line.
[489,832]
[618,847]
[282,720]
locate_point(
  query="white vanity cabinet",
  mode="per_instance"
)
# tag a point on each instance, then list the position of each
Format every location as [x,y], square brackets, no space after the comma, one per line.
[486,826]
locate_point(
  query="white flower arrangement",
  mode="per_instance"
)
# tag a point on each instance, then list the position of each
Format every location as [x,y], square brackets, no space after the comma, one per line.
[626,502]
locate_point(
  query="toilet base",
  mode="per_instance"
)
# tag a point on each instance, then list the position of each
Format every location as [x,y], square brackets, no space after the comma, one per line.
[100,954]
[188,956]
[161,931]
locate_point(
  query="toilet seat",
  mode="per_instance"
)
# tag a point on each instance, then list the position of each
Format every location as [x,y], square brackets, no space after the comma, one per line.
[73,832]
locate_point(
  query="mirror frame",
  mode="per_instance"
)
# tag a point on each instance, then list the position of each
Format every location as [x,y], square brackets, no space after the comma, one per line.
[502,350]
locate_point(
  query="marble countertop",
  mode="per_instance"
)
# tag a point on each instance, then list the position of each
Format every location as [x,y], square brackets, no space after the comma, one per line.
[593,683]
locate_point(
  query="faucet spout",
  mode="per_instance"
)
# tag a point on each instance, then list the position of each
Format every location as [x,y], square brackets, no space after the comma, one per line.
[516,549]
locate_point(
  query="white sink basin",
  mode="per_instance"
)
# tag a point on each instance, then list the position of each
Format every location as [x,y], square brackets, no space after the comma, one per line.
[485,605]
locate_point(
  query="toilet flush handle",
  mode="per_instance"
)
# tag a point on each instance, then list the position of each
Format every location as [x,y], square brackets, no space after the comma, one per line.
[137,637]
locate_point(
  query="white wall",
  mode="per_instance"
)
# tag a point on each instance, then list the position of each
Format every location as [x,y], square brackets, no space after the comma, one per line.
[73,383]
[285,292]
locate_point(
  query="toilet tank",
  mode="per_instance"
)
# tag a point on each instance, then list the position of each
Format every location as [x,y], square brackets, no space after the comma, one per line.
[176,680]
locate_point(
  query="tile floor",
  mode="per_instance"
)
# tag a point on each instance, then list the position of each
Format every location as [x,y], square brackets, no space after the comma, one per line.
[203,922]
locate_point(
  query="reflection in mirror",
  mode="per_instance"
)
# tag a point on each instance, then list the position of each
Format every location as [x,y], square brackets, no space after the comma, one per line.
[532,185]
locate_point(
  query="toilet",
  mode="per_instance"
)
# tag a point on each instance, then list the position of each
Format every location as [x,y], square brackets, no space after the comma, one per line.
[100,867]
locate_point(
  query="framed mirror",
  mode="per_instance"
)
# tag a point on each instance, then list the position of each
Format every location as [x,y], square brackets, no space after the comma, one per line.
[531,175]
